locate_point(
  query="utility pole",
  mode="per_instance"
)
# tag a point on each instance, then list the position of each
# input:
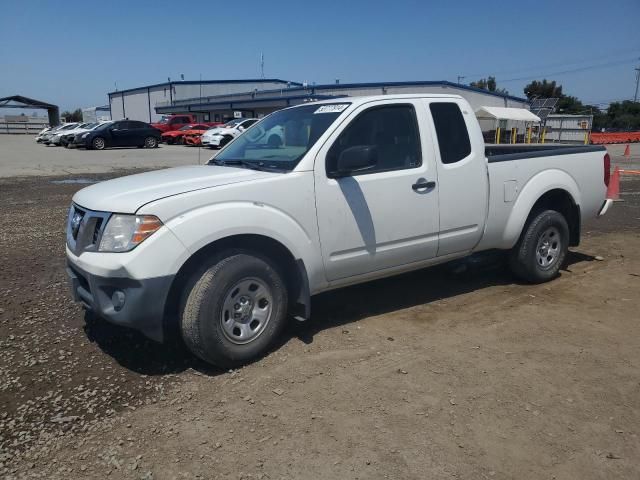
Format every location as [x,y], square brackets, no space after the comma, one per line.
[262,65]
[635,97]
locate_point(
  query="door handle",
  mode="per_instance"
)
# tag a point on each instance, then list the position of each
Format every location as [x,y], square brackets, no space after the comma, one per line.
[423,184]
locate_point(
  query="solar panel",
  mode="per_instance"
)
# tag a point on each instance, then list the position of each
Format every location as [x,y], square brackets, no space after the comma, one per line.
[543,107]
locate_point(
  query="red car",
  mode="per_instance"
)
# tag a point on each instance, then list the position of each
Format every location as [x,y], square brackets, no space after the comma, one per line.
[176,136]
[169,123]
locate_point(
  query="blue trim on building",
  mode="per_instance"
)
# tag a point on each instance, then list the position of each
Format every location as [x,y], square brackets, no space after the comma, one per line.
[205,82]
[233,103]
[425,83]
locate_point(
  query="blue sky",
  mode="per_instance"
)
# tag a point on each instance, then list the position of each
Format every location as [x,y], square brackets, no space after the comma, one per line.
[72,53]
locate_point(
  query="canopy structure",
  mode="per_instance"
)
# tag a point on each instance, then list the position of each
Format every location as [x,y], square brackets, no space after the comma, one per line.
[18,101]
[504,113]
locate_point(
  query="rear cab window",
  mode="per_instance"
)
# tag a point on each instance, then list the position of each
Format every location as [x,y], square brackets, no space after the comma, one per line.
[451,131]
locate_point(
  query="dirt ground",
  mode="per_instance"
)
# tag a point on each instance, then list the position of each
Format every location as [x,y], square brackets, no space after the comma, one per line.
[452,372]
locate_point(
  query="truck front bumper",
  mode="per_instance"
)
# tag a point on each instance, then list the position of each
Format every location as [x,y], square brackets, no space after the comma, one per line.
[133,303]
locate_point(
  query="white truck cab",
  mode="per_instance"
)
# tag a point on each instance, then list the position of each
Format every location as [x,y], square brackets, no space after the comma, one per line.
[357,189]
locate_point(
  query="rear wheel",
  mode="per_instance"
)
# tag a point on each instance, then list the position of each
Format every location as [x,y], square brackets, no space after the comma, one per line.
[98,143]
[150,142]
[542,248]
[226,139]
[233,310]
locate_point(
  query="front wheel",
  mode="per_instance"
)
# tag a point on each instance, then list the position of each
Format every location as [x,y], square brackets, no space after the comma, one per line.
[150,142]
[542,248]
[233,310]
[98,143]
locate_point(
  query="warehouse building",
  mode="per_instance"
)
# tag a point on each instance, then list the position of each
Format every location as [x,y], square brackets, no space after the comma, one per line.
[219,100]
[141,103]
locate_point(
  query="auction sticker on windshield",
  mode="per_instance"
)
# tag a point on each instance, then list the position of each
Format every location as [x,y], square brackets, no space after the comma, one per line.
[334,108]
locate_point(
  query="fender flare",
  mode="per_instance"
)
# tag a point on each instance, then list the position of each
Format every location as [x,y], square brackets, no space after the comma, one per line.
[532,191]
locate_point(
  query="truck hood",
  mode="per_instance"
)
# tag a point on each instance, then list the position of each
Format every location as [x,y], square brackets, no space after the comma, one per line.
[128,194]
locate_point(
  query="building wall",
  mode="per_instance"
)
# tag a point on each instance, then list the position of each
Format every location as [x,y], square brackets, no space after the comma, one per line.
[157,95]
[192,90]
[115,103]
[139,104]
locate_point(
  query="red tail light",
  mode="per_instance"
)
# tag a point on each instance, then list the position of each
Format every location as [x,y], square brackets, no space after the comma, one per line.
[607,169]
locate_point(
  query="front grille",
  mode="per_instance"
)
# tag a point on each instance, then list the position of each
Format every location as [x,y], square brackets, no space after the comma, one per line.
[84,229]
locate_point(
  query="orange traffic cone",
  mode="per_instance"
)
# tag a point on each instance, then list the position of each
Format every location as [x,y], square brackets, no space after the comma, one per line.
[613,190]
[627,151]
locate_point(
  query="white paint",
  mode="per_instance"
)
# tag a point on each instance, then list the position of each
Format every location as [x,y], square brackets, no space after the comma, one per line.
[351,229]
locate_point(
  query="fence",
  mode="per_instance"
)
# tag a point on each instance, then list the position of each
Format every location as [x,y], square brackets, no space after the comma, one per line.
[29,128]
[615,137]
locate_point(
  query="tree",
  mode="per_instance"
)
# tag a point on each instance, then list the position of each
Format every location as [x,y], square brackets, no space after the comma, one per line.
[620,115]
[489,84]
[75,116]
[543,89]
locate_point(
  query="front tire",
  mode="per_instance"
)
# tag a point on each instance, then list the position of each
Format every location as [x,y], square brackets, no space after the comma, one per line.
[233,310]
[542,248]
[150,142]
[98,143]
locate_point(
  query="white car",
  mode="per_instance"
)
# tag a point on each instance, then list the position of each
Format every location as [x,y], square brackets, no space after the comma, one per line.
[218,137]
[45,132]
[362,188]
[56,138]
[46,137]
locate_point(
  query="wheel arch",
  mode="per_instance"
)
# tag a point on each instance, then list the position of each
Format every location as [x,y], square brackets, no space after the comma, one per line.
[551,189]
[293,269]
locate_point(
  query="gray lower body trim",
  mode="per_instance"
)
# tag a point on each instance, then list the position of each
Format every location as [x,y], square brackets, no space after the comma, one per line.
[143,308]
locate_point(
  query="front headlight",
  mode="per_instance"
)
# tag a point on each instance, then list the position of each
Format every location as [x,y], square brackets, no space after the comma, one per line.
[125,232]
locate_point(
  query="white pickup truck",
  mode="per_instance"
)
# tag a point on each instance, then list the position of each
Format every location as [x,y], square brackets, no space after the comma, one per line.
[360,188]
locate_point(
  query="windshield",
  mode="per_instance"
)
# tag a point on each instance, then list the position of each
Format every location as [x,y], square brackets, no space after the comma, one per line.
[233,123]
[280,140]
[164,119]
[186,127]
[103,126]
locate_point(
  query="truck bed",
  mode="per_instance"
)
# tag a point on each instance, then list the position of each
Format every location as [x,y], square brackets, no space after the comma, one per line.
[504,153]
[514,184]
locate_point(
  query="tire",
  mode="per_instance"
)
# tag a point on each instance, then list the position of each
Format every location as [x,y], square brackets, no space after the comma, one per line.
[226,139]
[150,142]
[98,143]
[233,310]
[542,248]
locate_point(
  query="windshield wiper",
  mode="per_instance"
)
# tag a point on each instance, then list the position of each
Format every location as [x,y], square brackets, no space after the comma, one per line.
[237,163]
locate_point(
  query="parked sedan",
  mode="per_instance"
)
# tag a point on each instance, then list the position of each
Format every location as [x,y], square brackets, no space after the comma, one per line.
[218,137]
[175,136]
[47,136]
[57,138]
[121,133]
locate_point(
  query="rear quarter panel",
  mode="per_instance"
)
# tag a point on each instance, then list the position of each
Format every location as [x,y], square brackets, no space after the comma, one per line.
[516,185]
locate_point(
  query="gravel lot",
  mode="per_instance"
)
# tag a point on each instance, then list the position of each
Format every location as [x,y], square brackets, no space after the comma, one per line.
[21,156]
[452,372]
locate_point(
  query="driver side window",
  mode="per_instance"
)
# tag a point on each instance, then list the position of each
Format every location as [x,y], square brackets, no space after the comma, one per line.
[391,131]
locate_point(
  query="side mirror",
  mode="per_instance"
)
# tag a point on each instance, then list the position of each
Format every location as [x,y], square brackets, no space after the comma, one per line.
[358,158]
